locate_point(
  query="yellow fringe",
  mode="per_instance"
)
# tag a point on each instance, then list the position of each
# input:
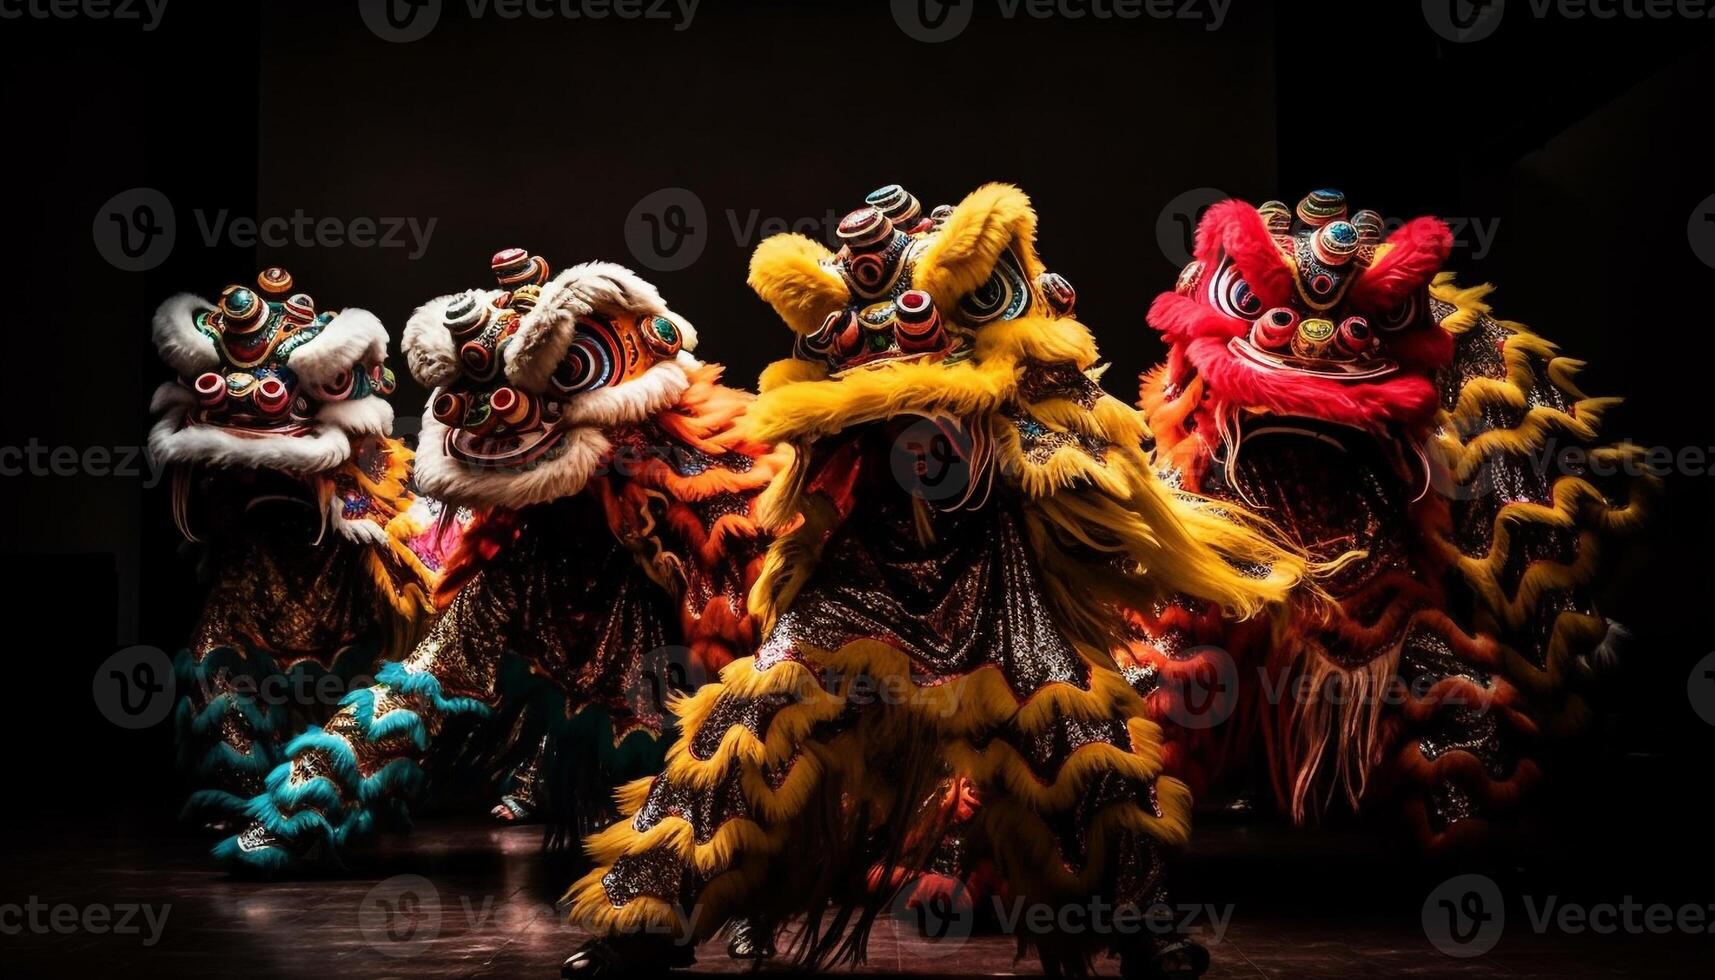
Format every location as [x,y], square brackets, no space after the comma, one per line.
[1576,503]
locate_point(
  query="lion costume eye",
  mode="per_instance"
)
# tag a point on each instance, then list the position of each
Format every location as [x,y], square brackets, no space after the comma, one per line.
[1004,295]
[1403,315]
[1232,295]
[592,361]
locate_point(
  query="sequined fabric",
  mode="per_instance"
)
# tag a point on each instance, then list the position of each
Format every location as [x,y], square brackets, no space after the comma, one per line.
[574,603]
[956,592]
[276,589]
[280,605]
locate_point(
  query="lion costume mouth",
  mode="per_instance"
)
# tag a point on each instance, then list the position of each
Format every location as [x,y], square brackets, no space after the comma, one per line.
[505,450]
[1363,370]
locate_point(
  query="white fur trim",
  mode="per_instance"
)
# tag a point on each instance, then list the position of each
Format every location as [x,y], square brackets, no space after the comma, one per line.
[429,350]
[687,333]
[362,532]
[645,396]
[370,415]
[353,338]
[545,332]
[173,441]
[186,349]
[459,484]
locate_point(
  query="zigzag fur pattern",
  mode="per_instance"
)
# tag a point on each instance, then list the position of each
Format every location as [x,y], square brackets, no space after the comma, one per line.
[1577,504]
[958,710]
[336,803]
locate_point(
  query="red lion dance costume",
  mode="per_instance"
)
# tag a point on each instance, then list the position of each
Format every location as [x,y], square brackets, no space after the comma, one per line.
[277,434]
[607,563]
[919,623]
[1350,392]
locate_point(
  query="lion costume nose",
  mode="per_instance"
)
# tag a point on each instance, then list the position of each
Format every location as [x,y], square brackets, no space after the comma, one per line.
[1313,338]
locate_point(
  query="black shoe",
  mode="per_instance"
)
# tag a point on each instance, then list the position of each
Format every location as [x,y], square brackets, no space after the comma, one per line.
[750,941]
[1178,959]
[617,958]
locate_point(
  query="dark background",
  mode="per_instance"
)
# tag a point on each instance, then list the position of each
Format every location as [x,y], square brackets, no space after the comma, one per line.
[1581,142]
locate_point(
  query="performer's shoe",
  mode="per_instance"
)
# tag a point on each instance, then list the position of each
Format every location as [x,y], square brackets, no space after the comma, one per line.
[1176,959]
[627,957]
[750,941]
[256,853]
[510,809]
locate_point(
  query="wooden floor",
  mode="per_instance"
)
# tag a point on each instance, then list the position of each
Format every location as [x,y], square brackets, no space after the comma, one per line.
[462,898]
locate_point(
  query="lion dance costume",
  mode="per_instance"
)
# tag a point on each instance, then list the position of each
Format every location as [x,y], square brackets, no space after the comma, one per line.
[607,563]
[965,514]
[1347,389]
[277,434]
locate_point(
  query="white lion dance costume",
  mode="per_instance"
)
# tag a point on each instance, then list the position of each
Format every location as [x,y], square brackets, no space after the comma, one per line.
[276,430]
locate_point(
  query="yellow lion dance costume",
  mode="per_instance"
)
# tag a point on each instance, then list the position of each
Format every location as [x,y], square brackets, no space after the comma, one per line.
[966,515]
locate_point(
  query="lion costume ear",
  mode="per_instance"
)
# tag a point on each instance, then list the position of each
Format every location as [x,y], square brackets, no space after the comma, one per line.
[991,220]
[795,275]
[545,333]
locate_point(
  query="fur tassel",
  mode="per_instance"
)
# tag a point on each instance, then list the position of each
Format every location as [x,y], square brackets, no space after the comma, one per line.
[353,338]
[430,353]
[791,274]
[546,332]
[367,416]
[812,409]
[989,221]
[1237,230]
[1408,262]
[790,370]
[186,349]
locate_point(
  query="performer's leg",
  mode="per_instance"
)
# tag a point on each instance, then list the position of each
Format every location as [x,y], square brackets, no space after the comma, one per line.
[228,737]
[368,759]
